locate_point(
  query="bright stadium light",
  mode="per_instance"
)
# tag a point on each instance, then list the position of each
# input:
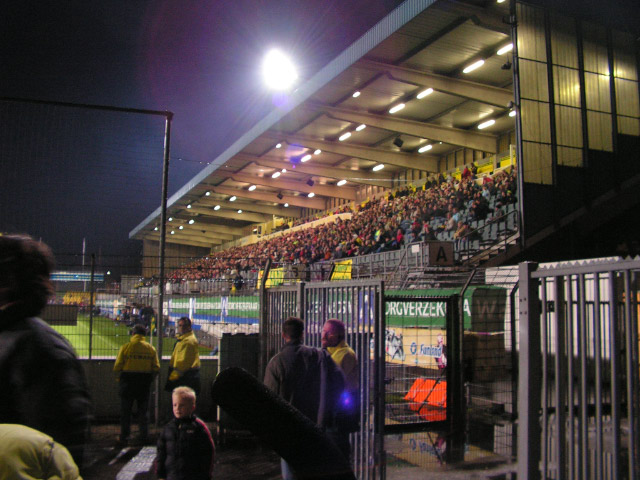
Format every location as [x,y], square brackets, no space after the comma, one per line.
[397,108]
[378,167]
[252,188]
[306,158]
[486,124]
[217,207]
[424,93]
[311,195]
[425,148]
[505,49]
[192,221]
[279,72]
[317,151]
[473,66]
[341,183]
[360,127]
[344,136]
[275,174]
[233,198]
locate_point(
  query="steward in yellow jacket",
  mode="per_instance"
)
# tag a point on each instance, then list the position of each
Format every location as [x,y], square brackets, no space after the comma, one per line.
[184,367]
[137,363]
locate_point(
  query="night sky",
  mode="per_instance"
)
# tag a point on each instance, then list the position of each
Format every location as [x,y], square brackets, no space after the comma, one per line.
[68,174]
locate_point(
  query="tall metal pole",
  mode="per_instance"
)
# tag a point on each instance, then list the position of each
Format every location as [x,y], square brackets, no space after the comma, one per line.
[163,233]
[91,306]
[513,19]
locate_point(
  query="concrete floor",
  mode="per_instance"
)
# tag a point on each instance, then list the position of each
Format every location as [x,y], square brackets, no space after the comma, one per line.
[241,457]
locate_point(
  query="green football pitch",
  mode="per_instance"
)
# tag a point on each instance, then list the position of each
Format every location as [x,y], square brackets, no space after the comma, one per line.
[106,337]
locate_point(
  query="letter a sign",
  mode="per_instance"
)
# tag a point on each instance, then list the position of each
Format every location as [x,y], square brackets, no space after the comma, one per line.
[440,253]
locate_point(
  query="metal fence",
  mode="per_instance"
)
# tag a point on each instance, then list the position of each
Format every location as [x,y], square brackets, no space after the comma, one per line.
[578,387]
[357,304]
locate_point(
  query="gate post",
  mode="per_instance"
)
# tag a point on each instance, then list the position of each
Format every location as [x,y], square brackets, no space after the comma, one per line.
[530,375]
[264,314]
[455,383]
[379,457]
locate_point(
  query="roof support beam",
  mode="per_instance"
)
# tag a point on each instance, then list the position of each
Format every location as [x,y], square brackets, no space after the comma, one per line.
[233,214]
[201,224]
[324,190]
[461,88]
[256,207]
[426,163]
[183,240]
[196,229]
[453,136]
[353,176]
[315,203]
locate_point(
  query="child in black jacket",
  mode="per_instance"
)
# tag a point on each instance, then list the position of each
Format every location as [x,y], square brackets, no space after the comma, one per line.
[185,447]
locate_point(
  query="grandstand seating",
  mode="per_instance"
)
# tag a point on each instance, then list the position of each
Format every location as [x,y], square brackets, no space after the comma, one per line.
[372,229]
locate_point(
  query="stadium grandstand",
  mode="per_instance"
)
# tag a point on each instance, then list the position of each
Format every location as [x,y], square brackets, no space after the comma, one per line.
[459,187]
[444,143]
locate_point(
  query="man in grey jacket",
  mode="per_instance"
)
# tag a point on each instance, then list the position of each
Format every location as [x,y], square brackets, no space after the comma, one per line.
[306,377]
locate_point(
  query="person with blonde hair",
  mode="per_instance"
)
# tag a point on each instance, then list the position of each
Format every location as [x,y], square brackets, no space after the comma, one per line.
[185,446]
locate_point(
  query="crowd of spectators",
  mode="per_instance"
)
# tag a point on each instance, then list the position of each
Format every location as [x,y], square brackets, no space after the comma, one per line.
[387,223]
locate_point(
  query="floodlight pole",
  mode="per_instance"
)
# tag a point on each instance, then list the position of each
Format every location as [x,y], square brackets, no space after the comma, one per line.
[161,256]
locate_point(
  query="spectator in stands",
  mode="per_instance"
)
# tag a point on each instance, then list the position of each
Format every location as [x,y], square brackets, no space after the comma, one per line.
[137,364]
[185,447]
[373,226]
[43,383]
[184,366]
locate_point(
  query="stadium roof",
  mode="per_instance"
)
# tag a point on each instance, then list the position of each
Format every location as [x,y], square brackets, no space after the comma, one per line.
[421,45]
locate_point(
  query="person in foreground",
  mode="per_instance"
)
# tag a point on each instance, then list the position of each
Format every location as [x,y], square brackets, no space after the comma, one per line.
[306,377]
[26,453]
[185,446]
[43,383]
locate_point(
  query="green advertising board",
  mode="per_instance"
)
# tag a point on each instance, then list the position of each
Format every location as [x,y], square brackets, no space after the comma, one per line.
[483,308]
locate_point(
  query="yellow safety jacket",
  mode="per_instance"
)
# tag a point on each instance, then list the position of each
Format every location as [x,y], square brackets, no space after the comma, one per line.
[185,355]
[137,356]
[26,454]
[346,360]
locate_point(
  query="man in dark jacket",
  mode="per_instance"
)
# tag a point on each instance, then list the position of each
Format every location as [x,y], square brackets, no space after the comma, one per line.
[43,384]
[306,377]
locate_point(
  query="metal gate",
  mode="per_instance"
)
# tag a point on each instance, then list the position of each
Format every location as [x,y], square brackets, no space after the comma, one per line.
[358,305]
[424,420]
[578,385]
